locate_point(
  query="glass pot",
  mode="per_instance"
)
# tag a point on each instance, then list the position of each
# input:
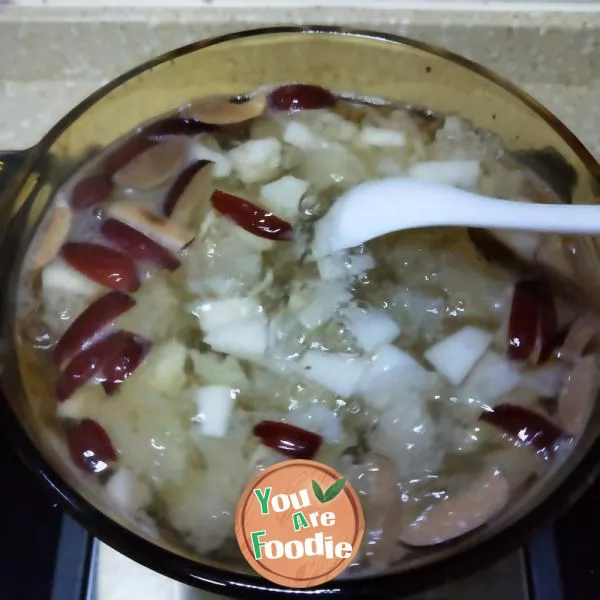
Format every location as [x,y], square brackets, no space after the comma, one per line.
[359,62]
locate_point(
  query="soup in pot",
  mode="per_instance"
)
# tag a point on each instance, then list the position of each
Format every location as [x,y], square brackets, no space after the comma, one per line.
[172,302]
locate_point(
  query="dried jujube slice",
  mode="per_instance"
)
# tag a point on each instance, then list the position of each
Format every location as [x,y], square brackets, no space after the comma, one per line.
[288,439]
[123,362]
[54,235]
[188,190]
[582,336]
[90,323]
[177,125]
[138,245]
[225,110]
[91,190]
[126,152]
[578,395]
[300,96]
[154,166]
[527,427]
[250,217]
[459,514]
[380,480]
[163,231]
[103,265]
[90,447]
[532,329]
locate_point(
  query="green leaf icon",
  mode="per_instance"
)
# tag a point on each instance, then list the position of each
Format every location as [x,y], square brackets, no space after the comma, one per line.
[334,489]
[318,491]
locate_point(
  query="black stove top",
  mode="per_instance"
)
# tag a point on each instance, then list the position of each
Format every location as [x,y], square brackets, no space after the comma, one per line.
[30,523]
[42,553]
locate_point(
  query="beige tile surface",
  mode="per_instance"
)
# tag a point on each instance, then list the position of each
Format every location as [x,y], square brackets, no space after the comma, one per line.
[51,58]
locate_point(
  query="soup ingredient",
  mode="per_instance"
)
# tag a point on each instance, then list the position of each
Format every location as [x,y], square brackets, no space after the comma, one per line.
[111,360]
[283,196]
[456,355]
[526,427]
[288,439]
[224,110]
[462,513]
[492,378]
[255,161]
[242,339]
[120,157]
[153,166]
[576,400]
[177,124]
[55,234]
[127,491]
[532,327]
[457,173]
[583,336]
[103,265]
[91,323]
[61,283]
[91,190]
[90,447]
[251,217]
[120,364]
[297,97]
[218,313]
[337,372]
[371,328]
[189,190]
[377,136]
[215,404]
[137,245]
[161,230]
[377,481]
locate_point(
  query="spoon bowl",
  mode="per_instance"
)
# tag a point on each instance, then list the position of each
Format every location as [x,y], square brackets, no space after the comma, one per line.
[383,206]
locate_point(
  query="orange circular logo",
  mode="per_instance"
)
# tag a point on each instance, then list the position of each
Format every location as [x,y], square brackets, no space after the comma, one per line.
[299,523]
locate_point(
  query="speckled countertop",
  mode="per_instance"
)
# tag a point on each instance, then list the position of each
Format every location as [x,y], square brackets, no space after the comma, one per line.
[52,57]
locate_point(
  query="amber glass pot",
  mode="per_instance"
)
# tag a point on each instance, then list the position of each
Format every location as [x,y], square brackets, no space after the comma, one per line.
[357,62]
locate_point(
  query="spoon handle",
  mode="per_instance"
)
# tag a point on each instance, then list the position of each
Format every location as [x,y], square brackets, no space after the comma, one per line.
[583,219]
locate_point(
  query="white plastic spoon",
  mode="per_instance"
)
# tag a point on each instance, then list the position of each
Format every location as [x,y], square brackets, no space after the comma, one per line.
[375,208]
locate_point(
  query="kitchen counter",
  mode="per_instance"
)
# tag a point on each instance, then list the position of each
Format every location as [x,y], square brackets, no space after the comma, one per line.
[52,57]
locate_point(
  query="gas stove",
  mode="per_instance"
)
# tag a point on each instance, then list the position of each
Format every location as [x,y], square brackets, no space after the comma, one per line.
[45,555]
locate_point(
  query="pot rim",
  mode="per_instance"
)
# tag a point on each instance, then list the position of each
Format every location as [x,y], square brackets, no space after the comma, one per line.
[222,581]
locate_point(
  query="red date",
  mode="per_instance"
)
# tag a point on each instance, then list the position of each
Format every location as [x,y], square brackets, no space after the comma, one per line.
[298,96]
[251,217]
[527,427]
[110,360]
[125,359]
[138,245]
[85,365]
[532,326]
[288,439]
[89,323]
[103,265]
[548,331]
[90,447]
[91,190]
